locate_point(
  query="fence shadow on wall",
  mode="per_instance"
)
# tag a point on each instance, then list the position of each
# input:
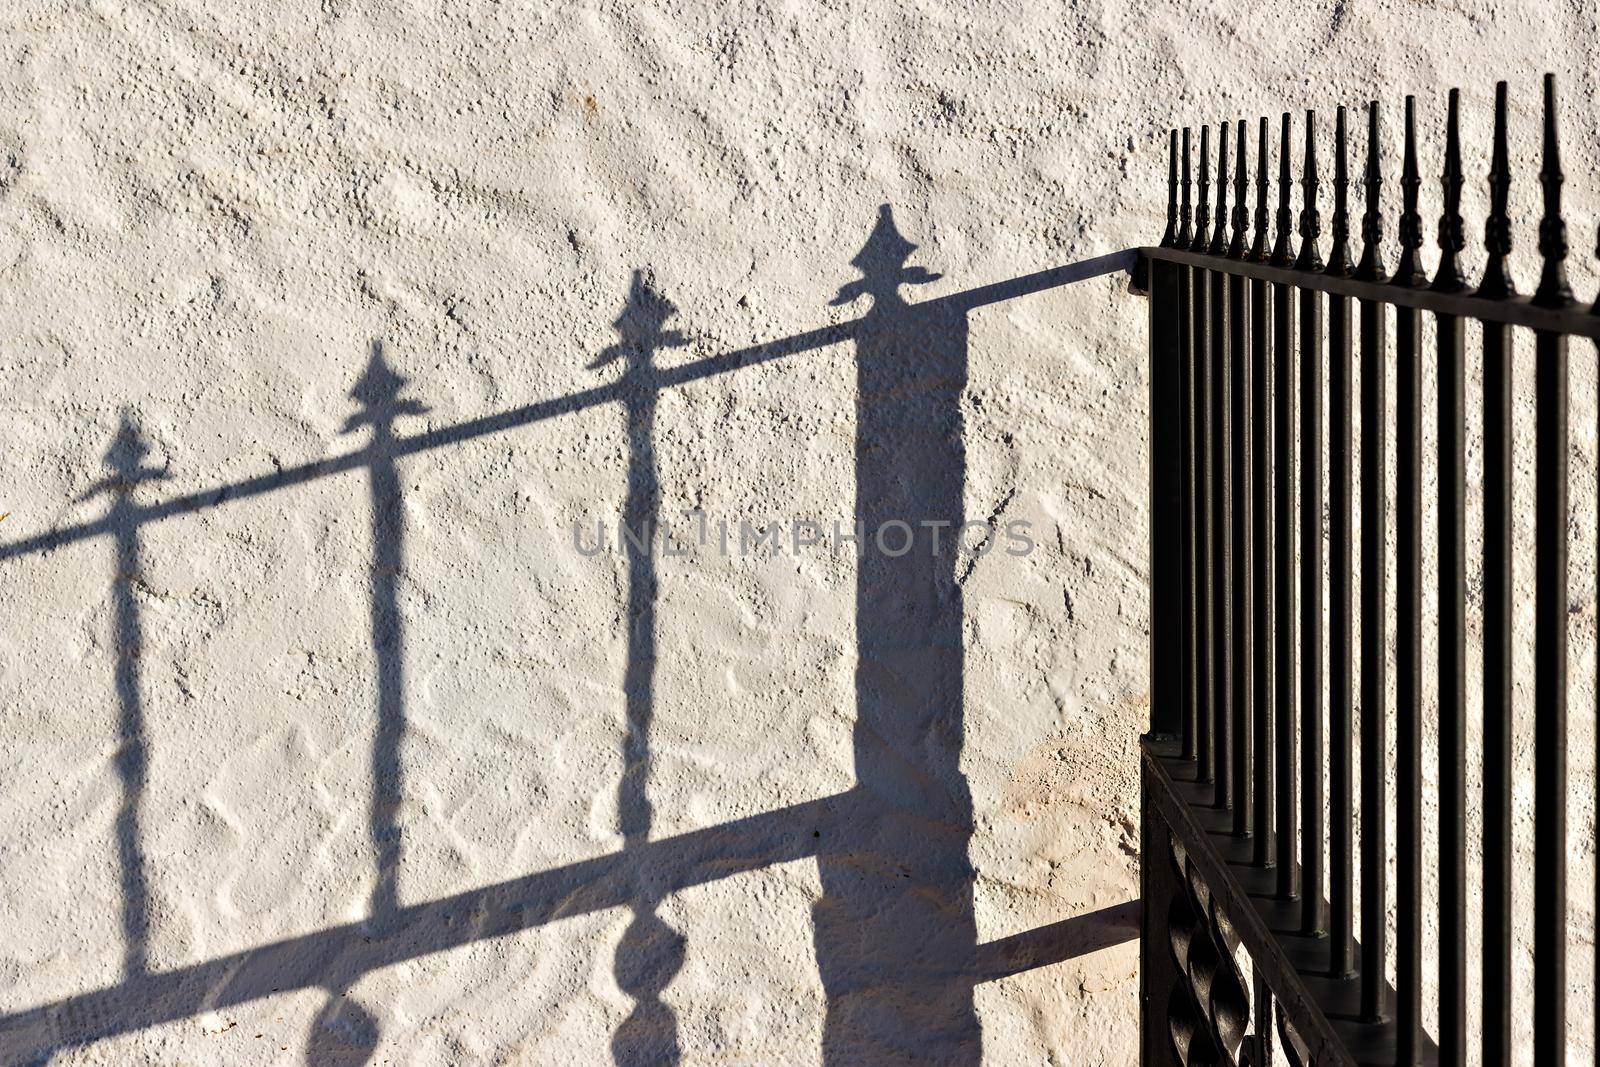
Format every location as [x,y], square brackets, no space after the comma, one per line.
[894,931]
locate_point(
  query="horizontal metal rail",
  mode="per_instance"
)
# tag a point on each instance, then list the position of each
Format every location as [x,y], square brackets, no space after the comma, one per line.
[1574,320]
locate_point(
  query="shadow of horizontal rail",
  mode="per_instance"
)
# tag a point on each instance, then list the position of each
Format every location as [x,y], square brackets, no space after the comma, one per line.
[1059,941]
[337,957]
[542,410]
[340,956]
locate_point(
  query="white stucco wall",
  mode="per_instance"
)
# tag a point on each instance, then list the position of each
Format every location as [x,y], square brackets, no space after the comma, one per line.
[208,213]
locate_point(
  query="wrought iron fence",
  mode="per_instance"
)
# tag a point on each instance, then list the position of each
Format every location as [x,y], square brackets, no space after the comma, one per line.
[1256,947]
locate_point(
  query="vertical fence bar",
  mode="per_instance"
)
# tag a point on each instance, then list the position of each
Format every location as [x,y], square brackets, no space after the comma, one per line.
[1241,494]
[1288,880]
[1550,618]
[1168,530]
[1312,904]
[1550,673]
[1222,491]
[1408,599]
[1374,606]
[1595,310]
[1341,945]
[1200,339]
[1497,739]
[1180,236]
[1452,578]
[1264,854]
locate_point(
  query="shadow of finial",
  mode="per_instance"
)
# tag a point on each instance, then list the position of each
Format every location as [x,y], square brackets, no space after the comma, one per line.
[882,261]
[640,327]
[125,460]
[378,393]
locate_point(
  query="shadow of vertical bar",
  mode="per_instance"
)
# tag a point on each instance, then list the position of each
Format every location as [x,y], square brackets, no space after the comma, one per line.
[344,1032]
[650,953]
[125,460]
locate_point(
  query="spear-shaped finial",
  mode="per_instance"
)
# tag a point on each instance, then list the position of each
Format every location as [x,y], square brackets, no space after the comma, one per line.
[1184,236]
[1258,250]
[1339,254]
[1409,271]
[1371,266]
[1452,230]
[1310,222]
[1553,289]
[1169,235]
[1202,214]
[1285,219]
[1219,236]
[1497,228]
[1241,196]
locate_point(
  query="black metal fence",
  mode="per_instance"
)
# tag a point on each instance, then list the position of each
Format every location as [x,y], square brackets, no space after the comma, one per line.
[1266,763]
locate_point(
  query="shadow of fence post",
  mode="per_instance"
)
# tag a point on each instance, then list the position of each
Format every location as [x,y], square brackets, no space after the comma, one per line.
[895,934]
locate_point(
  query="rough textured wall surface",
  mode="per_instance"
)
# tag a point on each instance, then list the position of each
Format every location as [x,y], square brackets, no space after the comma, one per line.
[321,327]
